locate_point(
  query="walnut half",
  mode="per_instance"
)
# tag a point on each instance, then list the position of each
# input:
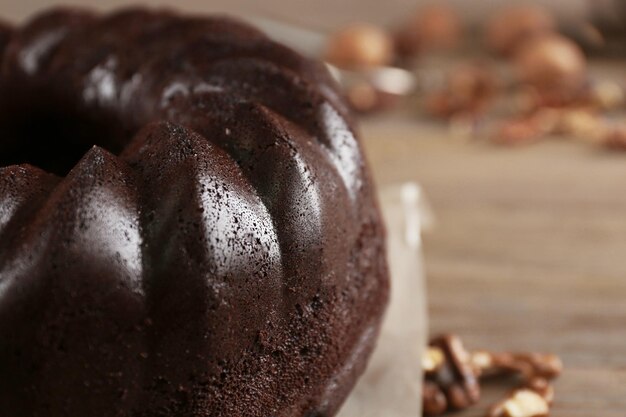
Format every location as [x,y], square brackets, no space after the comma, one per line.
[521,403]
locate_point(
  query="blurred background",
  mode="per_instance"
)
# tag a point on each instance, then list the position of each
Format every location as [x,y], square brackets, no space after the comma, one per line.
[320,14]
[511,116]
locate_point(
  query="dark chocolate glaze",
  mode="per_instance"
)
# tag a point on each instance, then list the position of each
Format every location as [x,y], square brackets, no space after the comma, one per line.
[187,224]
[5,35]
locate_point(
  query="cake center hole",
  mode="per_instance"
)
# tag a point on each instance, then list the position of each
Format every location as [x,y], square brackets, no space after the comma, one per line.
[49,141]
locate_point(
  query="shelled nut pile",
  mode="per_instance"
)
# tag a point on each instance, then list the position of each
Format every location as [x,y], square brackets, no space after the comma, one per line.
[452,377]
[524,80]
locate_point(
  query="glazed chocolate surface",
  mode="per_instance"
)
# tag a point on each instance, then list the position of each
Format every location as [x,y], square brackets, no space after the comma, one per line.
[187,224]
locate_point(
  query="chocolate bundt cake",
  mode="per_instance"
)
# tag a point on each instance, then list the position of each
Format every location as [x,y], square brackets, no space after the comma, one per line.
[187,224]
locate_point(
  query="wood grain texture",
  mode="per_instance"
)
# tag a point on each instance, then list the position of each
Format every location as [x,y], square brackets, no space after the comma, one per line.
[528,252]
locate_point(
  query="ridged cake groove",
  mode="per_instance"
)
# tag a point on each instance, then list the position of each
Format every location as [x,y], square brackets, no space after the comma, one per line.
[200,237]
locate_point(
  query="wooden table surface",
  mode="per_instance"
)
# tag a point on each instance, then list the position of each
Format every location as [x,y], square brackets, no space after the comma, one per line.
[528,252]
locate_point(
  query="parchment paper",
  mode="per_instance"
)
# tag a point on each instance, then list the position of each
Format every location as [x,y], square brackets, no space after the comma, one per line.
[391,384]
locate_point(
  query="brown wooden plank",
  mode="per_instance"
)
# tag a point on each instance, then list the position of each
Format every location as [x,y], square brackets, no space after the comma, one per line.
[528,253]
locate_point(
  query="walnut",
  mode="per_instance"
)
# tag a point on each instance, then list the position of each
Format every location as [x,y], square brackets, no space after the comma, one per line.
[518,131]
[583,124]
[542,387]
[553,64]
[469,89]
[454,375]
[615,138]
[434,401]
[433,359]
[529,366]
[431,28]
[607,95]
[363,97]
[521,403]
[507,28]
[360,46]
